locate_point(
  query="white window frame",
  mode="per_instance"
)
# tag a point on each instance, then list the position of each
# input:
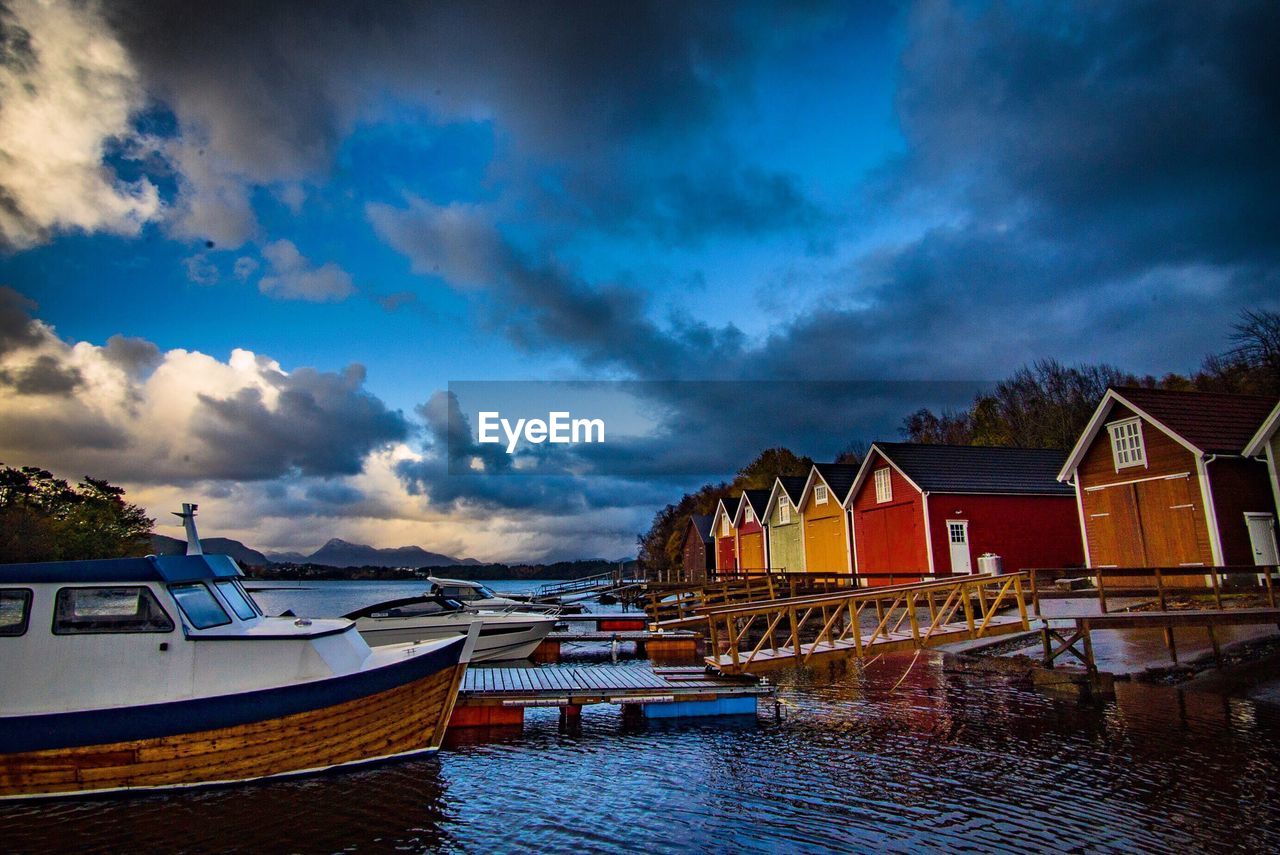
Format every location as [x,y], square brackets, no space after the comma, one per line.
[820,494]
[724,526]
[1128,447]
[884,485]
[750,515]
[784,512]
[958,525]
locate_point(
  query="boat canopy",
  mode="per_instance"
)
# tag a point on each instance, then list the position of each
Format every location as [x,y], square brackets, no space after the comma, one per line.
[153,568]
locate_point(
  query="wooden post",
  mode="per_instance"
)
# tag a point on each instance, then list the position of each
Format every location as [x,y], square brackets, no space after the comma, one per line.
[1046,638]
[968,610]
[1102,594]
[1090,664]
[1217,588]
[915,622]
[795,633]
[1035,594]
[855,626]
[1164,606]
[1217,651]
[1022,603]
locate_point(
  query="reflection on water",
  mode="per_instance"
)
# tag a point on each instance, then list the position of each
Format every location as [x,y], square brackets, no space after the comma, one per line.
[900,756]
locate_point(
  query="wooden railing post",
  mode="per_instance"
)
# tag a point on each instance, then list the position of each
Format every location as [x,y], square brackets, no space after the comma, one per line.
[1102,594]
[911,612]
[1022,603]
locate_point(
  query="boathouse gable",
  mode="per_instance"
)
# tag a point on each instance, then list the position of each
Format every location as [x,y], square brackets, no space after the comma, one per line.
[751,532]
[786,534]
[699,548]
[827,545]
[726,537]
[1162,479]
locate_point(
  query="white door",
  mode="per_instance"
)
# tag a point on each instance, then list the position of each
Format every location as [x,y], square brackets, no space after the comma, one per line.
[958,534]
[1262,537]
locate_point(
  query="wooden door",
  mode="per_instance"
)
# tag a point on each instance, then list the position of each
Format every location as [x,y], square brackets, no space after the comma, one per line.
[824,546]
[958,538]
[1167,508]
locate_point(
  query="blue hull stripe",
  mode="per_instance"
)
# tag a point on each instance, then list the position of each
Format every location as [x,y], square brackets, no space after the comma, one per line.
[103,727]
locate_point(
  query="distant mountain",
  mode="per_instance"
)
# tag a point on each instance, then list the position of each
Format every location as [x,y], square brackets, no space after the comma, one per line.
[340,553]
[286,557]
[163,545]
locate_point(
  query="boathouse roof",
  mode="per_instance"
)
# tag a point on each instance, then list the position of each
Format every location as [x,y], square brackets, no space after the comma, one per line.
[153,568]
[977,468]
[702,523]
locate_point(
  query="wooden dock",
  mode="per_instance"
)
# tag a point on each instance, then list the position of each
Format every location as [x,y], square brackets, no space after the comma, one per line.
[864,622]
[499,696]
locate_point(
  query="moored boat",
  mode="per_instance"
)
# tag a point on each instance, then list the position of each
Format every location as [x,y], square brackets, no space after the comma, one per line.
[503,635]
[155,672]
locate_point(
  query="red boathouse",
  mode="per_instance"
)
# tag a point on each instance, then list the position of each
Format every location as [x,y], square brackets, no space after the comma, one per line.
[934,509]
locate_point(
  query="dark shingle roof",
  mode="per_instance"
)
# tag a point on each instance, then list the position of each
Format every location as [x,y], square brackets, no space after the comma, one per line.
[980,469]
[839,477]
[702,522]
[758,499]
[1213,422]
[793,486]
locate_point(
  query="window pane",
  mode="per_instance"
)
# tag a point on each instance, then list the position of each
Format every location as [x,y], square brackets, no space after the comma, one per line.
[198,604]
[93,610]
[15,611]
[239,603]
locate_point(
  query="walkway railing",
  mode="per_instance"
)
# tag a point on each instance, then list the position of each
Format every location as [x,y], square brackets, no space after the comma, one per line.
[1159,582]
[864,621]
[679,606]
[586,584]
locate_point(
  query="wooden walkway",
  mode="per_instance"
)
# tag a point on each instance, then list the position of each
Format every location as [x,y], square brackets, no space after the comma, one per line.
[864,622]
[558,686]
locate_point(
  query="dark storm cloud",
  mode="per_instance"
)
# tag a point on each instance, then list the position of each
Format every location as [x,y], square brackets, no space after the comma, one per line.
[136,356]
[264,92]
[17,329]
[322,424]
[44,376]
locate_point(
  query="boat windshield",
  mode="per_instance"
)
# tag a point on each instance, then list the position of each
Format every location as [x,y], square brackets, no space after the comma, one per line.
[428,606]
[467,592]
[237,599]
[198,604]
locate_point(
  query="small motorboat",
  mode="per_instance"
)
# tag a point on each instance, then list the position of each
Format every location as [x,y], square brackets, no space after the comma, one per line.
[479,596]
[507,634]
[141,673]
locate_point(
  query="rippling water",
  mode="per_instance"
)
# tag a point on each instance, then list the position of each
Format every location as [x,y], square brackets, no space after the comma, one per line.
[899,756]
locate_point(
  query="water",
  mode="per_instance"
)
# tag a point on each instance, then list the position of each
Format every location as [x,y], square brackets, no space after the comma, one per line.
[900,756]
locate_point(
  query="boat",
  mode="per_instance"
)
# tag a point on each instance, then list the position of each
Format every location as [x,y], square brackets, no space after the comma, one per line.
[506,634]
[157,672]
[480,596]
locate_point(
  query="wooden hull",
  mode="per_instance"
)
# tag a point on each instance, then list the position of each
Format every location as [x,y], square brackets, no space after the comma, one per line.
[405,719]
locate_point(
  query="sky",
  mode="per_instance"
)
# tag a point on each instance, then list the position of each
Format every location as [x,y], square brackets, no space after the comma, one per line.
[248,249]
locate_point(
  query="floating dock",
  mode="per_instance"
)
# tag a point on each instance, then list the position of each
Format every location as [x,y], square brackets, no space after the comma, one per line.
[499,696]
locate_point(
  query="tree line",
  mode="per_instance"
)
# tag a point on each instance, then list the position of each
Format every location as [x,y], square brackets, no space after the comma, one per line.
[1042,405]
[43,518]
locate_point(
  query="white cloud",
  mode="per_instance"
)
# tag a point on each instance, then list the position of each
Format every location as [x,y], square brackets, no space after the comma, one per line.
[293,277]
[67,89]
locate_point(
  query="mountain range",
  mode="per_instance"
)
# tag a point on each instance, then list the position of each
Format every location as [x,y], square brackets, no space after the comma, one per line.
[335,553]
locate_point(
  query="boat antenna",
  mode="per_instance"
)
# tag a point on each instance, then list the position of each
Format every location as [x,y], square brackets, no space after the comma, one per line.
[188,516]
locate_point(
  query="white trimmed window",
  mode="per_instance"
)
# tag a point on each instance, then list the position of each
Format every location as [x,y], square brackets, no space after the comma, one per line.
[820,495]
[724,526]
[784,512]
[884,486]
[751,515]
[1126,444]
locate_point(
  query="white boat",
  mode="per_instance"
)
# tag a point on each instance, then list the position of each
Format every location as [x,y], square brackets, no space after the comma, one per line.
[504,634]
[140,673]
[478,596]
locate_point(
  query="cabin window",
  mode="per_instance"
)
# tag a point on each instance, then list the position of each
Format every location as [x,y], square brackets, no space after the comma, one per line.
[457,592]
[884,486]
[237,599]
[724,526]
[784,512]
[426,607]
[1126,444]
[81,611]
[819,495]
[751,515]
[15,611]
[198,604]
